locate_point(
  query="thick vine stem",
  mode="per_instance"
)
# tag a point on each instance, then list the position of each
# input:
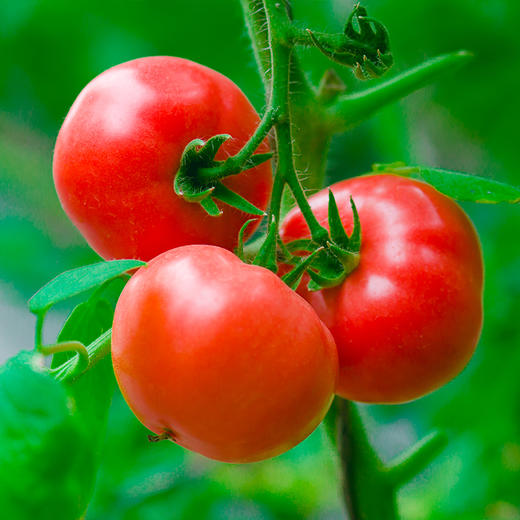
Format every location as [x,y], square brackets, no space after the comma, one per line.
[366,492]
[256,22]
[311,142]
[370,486]
[349,110]
[285,170]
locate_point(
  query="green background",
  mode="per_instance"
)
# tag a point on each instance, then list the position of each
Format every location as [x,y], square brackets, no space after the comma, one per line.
[468,121]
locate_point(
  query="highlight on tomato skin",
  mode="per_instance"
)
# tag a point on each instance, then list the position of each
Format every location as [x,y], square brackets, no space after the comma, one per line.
[408,319]
[119,149]
[221,356]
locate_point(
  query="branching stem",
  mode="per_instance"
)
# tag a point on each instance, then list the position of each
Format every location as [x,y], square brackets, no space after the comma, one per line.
[237,163]
[281,51]
[369,486]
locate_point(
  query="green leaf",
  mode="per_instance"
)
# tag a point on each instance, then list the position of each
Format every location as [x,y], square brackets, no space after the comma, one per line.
[94,389]
[46,460]
[461,186]
[355,237]
[198,155]
[466,187]
[197,179]
[233,199]
[73,282]
[207,152]
[367,51]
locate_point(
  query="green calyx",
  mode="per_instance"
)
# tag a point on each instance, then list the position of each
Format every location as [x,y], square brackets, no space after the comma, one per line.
[328,263]
[199,175]
[366,49]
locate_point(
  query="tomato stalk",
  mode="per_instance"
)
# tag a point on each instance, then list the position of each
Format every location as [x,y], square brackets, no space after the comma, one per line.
[270,22]
[237,163]
[96,351]
[78,363]
[369,485]
[281,53]
[350,109]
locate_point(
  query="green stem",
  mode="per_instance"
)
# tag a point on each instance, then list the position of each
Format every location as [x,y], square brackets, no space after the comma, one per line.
[285,171]
[236,163]
[38,334]
[318,233]
[96,350]
[369,486]
[279,98]
[310,141]
[256,22]
[67,346]
[404,467]
[366,492]
[349,110]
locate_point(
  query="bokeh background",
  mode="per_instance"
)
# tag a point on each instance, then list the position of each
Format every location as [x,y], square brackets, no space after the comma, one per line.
[468,121]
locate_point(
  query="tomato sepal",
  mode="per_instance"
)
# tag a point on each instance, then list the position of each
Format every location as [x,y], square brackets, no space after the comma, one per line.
[266,256]
[192,186]
[366,49]
[294,276]
[326,272]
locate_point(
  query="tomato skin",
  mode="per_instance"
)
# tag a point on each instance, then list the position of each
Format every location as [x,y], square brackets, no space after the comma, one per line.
[120,146]
[223,354]
[408,319]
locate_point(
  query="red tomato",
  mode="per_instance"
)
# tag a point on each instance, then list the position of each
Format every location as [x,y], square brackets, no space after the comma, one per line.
[120,146]
[407,320]
[222,355]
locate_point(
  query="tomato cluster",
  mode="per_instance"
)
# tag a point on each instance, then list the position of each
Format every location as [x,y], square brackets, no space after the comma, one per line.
[221,356]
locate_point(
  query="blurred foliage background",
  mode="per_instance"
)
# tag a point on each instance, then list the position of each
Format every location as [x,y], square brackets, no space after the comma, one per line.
[468,121]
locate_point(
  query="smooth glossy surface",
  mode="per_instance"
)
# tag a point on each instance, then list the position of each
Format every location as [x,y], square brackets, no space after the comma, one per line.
[222,354]
[120,147]
[407,320]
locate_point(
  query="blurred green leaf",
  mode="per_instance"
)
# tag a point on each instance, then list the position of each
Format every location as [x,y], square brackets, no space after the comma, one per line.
[46,456]
[94,389]
[469,188]
[460,186]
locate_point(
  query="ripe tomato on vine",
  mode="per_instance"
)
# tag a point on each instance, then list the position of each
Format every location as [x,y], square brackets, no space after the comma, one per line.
[408,318]
[221,356]
[121,145]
